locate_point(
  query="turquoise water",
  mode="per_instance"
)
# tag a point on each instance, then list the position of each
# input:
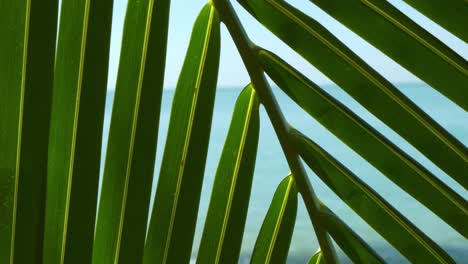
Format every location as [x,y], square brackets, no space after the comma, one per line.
[271,168]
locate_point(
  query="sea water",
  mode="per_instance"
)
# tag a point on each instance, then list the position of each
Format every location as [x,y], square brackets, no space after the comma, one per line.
[271,167]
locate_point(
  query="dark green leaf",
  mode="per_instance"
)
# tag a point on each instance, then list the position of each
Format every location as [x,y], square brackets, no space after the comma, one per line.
[128,175]
[366,141]
[451,14]
[380,97]
[411,46]
[273,241]
[369,205]
[27,52]
[79,94]
[225,221]
[177,198]
[350,242]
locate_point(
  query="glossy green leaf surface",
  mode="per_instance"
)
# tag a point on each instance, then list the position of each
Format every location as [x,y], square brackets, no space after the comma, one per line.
[80,85]
[275,235]
[27,52]
[317,258]
[350,242]
[225,221]
[366,141]
[376,94]
[450,14]
[174,215]
[128,175]
[411,46]
[369,205]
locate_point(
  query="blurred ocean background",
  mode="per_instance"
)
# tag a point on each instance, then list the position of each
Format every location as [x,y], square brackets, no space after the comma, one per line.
[271,168]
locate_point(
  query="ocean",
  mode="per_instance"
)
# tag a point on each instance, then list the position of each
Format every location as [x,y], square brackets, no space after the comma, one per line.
[271,168]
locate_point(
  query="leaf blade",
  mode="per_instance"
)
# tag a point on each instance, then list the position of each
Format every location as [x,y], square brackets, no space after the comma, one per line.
[275,235]
[173,218]
[227,212]
[450,14]
[412,47]
[369,205]
[317,258]
[350,242]
[80,84]
[124,205]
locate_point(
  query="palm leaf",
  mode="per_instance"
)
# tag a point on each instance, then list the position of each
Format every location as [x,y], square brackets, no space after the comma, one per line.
[225,221]
[353,245]
[125,196]
[366,141]
[317,258]
[379,96]
[380,215]
[411,46]
[247,53]
[451,14]
[173,220]
[273,241]
[26,74]
[80,85]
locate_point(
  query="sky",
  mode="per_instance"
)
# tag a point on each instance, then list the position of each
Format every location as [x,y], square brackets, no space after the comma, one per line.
[232,72]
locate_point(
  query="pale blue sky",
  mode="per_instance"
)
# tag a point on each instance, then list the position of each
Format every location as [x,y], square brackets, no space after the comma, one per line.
[232,71]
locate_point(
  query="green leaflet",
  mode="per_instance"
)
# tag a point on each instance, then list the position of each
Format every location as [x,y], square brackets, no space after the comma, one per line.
[275,235]
[450,14]
[380,97]
[80,84]
[317,258]
[411,46]
[125,197]
[369,205]
[350,242]
[174,215]
[366,141]
[27,53]
[225,221]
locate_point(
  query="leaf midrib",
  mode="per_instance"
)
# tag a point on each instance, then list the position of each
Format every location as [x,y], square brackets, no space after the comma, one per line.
[75,127]
[20,128]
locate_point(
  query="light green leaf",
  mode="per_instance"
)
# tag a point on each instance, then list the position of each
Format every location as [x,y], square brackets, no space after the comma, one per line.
[411,46]
[450,14]
[366,141]
[317,258]
[174,215]
[273,241]
[27,52]
[225,221]
[369,205]
[128,175]
[79,94]
[350,242]
[375,93]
